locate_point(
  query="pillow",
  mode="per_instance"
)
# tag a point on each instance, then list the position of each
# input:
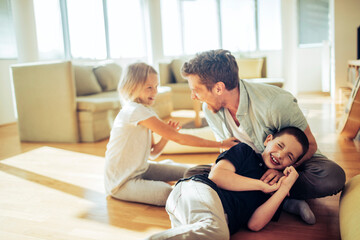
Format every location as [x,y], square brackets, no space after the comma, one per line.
[250,67]
[108,76]
[85,80]
[175,67]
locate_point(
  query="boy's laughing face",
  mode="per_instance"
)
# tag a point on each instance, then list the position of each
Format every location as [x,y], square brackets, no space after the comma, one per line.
[281,152]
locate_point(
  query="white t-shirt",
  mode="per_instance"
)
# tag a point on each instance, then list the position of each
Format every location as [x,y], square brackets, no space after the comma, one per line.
[129,146]
[239,132]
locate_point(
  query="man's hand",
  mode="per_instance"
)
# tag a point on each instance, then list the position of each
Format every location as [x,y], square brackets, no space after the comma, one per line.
[271,176]
[230,142]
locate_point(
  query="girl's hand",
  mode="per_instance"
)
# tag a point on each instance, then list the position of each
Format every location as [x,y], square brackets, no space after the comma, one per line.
[175,125]
[228,143]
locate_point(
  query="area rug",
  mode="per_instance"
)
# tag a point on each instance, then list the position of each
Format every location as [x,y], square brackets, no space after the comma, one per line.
[191,124]
[57,168]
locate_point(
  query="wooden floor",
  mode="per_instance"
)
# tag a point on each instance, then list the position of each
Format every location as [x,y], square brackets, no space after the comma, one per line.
[39,206]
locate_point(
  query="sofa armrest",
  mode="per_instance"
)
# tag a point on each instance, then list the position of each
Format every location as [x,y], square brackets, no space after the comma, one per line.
[45,99]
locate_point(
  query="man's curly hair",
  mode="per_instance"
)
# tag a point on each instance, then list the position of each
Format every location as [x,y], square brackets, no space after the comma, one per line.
[212,67]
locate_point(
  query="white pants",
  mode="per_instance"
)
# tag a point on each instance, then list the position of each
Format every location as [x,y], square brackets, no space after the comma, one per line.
[196,212]
[151,187]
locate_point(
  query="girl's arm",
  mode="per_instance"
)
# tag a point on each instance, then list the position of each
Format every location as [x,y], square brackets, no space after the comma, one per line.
[156,148]
[169,133]
[224,176]
[266,211]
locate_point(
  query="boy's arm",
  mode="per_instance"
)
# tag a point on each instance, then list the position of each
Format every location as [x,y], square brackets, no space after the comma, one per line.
[224,176]
[266,211]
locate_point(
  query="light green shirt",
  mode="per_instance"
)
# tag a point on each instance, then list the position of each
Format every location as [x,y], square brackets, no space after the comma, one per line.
[263,109]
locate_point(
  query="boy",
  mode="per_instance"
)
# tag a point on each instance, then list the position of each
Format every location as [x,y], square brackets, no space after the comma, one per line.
[232,196]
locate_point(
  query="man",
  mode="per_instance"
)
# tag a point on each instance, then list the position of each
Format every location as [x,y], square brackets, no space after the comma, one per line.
[251,111]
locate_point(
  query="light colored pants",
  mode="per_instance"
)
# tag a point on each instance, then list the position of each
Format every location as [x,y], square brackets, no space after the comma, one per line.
[151,187]
[196,212]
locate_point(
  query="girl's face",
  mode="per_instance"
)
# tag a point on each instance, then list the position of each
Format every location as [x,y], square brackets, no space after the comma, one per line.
[149,91]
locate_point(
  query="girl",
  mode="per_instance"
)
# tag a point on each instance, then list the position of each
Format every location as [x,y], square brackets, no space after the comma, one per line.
[129,175]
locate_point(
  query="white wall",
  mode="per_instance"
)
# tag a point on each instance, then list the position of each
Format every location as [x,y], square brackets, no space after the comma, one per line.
[309,69]
[346,22]
[26,43]
[7,108]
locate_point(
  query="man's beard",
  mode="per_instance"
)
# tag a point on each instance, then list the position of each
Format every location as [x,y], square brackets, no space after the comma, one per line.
[213,109]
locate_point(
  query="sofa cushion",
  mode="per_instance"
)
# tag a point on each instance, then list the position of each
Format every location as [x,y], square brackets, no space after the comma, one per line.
[98,102]
[175,67]
[85,80]
[250,67]
[108,75]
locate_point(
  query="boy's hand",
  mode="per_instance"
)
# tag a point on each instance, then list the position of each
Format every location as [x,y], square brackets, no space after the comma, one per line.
[267,188]
[291,175]
[175,125]
[271,176]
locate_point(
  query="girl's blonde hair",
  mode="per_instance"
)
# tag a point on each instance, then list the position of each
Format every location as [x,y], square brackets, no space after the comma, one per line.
[133,81]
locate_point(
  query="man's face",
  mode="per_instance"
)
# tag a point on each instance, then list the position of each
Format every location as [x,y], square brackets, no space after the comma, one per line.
[281,152]
[201,93]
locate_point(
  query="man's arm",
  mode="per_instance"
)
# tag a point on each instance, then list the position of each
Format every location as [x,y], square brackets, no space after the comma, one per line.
[224,176]
[266,211]
[312,147]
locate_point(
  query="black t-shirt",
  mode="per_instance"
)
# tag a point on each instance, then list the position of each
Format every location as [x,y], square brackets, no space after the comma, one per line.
[239,206]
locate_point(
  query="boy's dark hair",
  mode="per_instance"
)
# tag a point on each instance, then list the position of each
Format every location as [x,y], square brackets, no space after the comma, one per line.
[212,67]
[299,135]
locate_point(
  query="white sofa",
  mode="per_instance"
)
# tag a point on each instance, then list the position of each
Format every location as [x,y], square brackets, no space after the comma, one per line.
[67,102]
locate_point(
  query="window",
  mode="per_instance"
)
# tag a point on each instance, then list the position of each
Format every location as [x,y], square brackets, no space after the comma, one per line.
[49,29]
[238,25]
[313,21]
[126,29]
[7,35]
[269,24]
[200,32]
[86,29]
[171,25]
